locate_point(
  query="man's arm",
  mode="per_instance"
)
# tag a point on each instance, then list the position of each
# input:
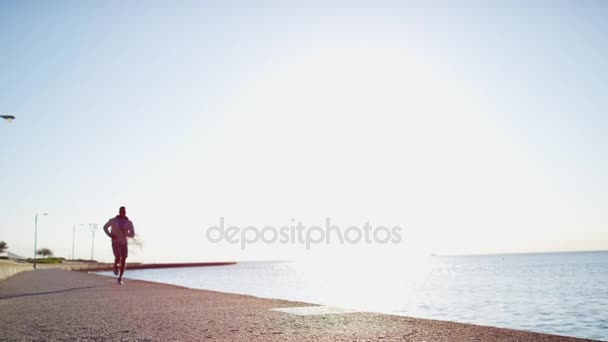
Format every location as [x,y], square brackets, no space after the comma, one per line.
[106,226]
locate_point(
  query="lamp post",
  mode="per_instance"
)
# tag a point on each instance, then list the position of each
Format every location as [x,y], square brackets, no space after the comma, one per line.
[93,228]
[36,234]
[8,118]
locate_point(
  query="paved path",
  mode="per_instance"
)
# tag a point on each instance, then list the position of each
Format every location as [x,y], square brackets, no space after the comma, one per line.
[57,305]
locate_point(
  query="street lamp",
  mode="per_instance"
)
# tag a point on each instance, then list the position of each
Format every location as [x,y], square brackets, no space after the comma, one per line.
[93,228]
[36,234]
[8,118]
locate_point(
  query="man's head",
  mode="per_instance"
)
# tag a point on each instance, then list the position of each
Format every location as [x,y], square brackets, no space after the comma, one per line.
[122,212]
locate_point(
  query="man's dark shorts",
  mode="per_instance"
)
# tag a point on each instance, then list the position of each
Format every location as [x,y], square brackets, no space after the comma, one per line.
[120,250]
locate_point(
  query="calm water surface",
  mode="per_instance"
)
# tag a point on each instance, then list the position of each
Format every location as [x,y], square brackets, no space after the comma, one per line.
[558,293]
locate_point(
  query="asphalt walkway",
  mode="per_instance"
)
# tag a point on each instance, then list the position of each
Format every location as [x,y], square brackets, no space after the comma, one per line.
[58,305]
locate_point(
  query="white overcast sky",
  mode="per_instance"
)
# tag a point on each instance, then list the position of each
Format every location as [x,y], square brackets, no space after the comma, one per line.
[479,127]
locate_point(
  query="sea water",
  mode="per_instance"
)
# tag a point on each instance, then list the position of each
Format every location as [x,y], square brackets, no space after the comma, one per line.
[557,293]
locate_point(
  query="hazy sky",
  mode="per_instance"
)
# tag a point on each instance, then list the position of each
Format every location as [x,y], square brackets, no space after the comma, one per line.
[479,127]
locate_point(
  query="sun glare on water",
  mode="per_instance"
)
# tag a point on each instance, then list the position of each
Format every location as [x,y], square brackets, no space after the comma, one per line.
[363,280]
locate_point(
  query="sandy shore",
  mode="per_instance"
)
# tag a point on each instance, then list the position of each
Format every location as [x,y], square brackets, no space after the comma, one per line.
[67,305]
[143,266]
[9,268]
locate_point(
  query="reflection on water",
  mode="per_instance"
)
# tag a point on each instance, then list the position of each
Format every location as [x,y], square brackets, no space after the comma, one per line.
[559,293]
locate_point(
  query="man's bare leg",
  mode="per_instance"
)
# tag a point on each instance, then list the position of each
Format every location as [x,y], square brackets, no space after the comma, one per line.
[116,261]
[123,264]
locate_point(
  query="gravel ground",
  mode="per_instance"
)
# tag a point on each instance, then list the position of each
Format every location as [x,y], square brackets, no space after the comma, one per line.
[58,305]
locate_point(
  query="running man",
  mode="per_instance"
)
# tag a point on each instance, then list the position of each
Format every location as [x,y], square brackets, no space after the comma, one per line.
[122,228]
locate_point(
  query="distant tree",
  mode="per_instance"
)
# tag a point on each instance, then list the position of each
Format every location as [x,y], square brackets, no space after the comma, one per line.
[44,252]
[3,246]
